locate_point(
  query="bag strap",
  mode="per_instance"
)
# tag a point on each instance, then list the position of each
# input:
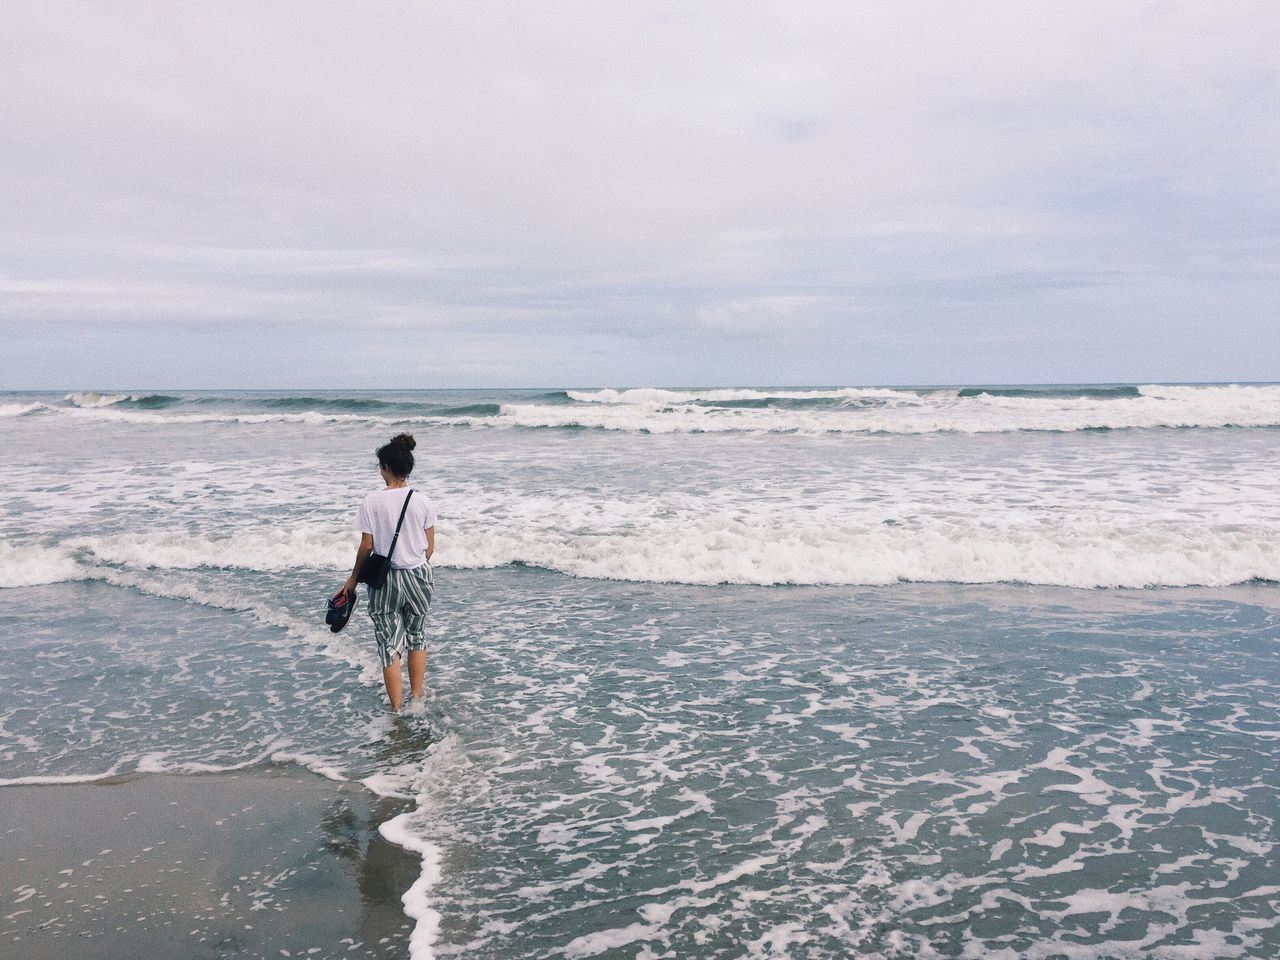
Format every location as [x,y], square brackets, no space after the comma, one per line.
[399,523]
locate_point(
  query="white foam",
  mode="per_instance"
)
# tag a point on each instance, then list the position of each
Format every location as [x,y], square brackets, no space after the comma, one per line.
[1056,835]
[310,417]
[590,944]
[907,830]
[161,763]
[89,399]
[31,566]
[396,783]
[718,548]
[107,557]
[262,548]
[651,396]
[698,803]
[316,764]
[904,411]
[54,779]
[19,409]
[445,767]
[417,904]
[1090,788]
[778,940]
[656,915]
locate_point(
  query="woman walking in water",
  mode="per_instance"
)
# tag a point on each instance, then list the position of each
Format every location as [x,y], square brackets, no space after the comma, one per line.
[399,607]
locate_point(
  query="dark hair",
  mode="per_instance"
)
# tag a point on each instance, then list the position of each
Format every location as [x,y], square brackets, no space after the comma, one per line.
[397,455]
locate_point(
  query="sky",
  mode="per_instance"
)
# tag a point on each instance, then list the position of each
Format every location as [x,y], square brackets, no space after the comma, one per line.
[420,194]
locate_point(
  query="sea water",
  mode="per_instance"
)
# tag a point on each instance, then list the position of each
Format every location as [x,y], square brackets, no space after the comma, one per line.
[982,672]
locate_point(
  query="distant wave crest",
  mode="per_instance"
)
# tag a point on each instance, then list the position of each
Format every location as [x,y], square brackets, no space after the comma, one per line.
[1049,393]
[141,401]
[841,410]
[892,411]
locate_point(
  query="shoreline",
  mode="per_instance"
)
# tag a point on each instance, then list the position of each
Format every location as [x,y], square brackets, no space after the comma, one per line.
[250,863]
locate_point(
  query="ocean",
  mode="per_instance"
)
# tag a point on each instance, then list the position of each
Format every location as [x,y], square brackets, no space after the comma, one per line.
[974,671]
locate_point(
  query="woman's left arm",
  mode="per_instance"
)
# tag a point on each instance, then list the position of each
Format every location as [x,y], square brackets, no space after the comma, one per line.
[431,541]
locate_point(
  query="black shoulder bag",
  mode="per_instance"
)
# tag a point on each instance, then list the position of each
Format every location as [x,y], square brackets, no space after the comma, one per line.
[375,567]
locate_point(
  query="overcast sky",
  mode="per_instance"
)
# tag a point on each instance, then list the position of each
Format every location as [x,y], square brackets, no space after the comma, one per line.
[469,194]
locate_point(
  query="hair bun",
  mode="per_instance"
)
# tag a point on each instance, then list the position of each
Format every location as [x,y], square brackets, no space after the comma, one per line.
[404,440]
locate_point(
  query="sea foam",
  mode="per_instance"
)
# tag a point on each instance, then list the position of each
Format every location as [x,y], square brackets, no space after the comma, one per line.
[1074,552]
[417,903]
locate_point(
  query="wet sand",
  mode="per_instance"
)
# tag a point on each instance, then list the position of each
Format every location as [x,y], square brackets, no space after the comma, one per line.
[262,863]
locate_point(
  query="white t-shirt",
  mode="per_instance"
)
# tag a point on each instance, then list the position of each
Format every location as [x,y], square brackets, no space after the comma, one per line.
[378,515]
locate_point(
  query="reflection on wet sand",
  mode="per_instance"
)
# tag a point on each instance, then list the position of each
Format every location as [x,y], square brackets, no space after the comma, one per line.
[245,864]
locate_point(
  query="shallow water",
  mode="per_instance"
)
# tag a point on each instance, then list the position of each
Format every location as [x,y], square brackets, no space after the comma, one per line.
[902,772]
[633,770]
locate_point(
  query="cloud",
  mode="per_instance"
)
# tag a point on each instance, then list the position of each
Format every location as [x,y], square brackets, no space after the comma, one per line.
[769,317]
[571,180]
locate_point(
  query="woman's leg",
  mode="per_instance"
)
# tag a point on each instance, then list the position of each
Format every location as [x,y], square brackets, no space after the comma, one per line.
[417,670]
[389,632]
[395,683]
[416,601]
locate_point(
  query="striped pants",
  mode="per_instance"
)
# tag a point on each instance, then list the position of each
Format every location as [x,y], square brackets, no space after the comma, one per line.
[399,611]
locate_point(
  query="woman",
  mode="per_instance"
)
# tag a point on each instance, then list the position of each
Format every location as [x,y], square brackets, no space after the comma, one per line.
[399,608]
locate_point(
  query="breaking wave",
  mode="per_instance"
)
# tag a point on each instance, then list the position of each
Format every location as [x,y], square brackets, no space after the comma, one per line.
[858,410]
[1051,392]
[721,548]
[844,410]
[144,401]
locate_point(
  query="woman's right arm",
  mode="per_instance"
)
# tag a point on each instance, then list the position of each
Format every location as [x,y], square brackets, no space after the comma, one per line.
[362,554]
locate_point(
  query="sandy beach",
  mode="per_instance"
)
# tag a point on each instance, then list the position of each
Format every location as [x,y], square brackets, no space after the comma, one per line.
[273,863]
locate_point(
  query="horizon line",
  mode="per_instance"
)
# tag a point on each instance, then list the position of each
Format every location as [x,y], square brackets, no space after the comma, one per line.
[701,386]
